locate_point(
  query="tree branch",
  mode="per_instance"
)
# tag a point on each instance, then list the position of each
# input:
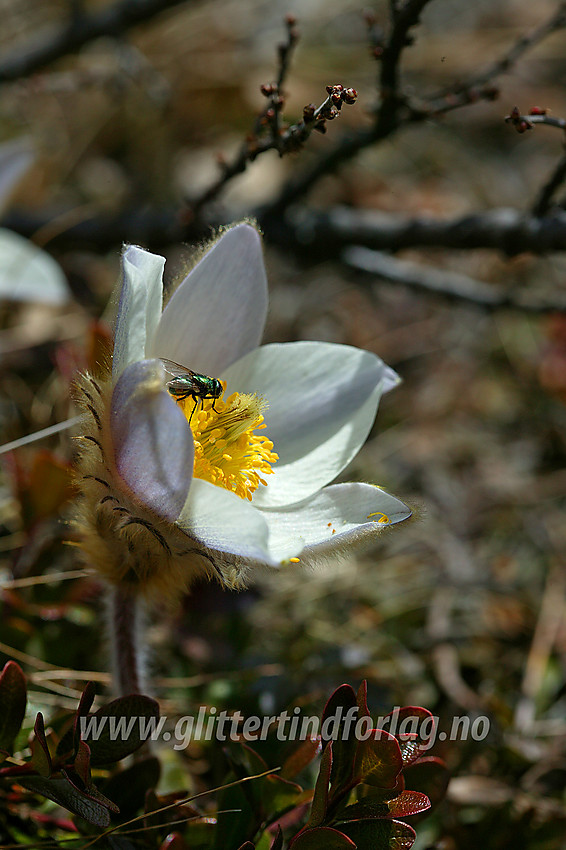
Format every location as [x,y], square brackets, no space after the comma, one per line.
[325,233]
[395,111]
[315,234]
[450,285]
[81,29]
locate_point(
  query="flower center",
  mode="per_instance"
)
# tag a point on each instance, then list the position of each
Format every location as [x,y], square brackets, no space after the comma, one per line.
[227,452]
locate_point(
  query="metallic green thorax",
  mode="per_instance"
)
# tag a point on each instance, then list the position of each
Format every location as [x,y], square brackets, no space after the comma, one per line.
[195,386]
[192,385]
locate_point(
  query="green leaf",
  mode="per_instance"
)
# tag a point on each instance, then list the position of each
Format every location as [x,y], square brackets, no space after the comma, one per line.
[66,794]
[12,703]
[378,760]
[380,834]
[114,731]
[233,828]
[278,840]
[322,838]
[278,794]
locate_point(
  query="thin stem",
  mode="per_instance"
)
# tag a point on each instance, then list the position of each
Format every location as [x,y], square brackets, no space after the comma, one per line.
[125,620]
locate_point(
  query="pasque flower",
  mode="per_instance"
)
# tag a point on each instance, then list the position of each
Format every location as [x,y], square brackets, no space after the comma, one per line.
[182,474]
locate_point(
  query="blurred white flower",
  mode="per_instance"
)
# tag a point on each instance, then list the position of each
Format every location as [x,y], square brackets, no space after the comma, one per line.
[175,487]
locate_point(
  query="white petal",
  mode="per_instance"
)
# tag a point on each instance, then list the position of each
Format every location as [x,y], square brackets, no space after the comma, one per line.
[218,312]
[338,516]
[223,521]
[140,306]
[322,403]
[29,274]
[153,444]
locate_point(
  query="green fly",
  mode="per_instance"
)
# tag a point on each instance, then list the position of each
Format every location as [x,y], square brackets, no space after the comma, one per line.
[188,384]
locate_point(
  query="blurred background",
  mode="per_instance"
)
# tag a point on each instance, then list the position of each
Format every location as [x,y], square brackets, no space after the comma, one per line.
[462,610]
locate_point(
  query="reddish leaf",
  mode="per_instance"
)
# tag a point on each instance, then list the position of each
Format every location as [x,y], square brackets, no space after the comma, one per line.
[338,725]
[40,757]
[82,763]
[64,793]
[362,699]
[12,703]
[278,840]
[378,760]
[300,758]
[339,704]
[411,723]
[320,799]
[380,834]
[69,743]
[128,788]
[322,838]
[430,776]
[411,748]
[121,733]
[408,803]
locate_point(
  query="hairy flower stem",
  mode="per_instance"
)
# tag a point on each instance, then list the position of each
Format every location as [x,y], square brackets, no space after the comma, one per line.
[125,621]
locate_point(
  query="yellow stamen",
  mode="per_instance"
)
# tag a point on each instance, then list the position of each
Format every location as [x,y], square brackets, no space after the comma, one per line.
[382,517]
[227,452]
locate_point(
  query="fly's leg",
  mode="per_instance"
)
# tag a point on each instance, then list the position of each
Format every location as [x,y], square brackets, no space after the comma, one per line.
[195,399]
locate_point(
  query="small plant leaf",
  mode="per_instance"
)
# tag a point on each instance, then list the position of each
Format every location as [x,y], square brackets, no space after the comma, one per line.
[405,804]
[375,834]
[120,728]
[430,776]
[278,794]
[362,699]
[13,700]
[63,792]
[300,758]
[338,725]
[320,800]
[128,788]
[322,838]
[378,760]
[40,757]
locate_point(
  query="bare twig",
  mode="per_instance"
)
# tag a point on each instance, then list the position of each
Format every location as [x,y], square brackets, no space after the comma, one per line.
[535,116]
[396,110]
[450,284]
[555,22]
[556,179]
[279,138]
[82,28]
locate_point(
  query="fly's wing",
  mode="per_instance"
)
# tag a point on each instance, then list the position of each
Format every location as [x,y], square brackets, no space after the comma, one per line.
[175,369]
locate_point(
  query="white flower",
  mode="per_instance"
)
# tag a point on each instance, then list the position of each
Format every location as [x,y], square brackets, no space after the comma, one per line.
[150,474]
